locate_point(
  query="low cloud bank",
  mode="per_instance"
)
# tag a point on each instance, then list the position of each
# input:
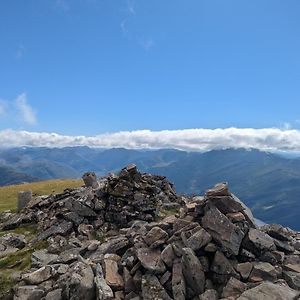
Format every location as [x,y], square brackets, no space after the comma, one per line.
[271,139]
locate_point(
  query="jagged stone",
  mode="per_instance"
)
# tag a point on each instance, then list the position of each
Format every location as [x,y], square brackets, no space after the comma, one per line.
[28,292]
[151,260]
[258,242]
[270,291]
[292,278]
[221,268]
[178,283]
[220,189]
[41,258]
[192,271]
[223,231]
[39,275]
[112,276]
[152,289]
[209,295]
[263,271]
[198,240]
[233,288]
[78,283]
[168,255]
[277,231]
[54,295]
[155,237]
[284,246]
[62,228]
[244,269]
[226,204]
[103,290]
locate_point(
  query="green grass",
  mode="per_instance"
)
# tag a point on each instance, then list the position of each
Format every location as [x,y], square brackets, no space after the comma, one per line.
[18,261]
[9,194]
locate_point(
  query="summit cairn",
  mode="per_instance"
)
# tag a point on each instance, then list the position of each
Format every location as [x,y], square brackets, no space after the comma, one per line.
[110,241]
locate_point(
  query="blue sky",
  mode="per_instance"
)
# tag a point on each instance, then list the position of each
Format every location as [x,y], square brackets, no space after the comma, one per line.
[86,67]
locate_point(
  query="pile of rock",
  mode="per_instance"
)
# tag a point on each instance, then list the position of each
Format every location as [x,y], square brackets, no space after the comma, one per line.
[210,250]
[114,201]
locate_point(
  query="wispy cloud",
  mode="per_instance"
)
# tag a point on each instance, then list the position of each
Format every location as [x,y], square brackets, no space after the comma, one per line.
[201,139]
[25,111]
[18,110]
[124,28]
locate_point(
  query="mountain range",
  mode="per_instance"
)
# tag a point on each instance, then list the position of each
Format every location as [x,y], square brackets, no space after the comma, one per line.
[268,183]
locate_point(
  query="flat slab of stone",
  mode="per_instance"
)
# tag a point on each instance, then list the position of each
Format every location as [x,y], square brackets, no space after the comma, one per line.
[270,291]
[151,260]
[228,235]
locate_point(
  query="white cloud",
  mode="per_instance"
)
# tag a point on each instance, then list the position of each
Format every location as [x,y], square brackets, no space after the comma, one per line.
[271,139]
[25,111]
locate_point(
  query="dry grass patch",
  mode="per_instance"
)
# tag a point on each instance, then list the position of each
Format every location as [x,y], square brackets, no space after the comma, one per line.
[9,194]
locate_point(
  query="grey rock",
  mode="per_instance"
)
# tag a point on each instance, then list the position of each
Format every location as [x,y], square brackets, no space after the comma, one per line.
[258,242]
[223,231]
[79,208]
[263,271]
[81,282]
[112,276]
[41,258]
[244,269]
[61,228]
[54,295]
[112,245]
[103,290]
[226,204]
[233,288]
[90,180]
[24,197]
[284,246]
[277,231]
[198,240]
[209,295]
[168,255]
[221,264]
[178,283]
[28,292]
[151,260]
[220,189]
[39,275]
[292,279]
[192,271]
[152,289]
[155,237]
[270,291]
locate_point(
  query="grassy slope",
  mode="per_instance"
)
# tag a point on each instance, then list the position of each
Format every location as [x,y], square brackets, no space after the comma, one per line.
[9,194]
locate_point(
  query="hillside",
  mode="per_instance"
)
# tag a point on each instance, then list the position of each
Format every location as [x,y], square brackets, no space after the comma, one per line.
[268,183]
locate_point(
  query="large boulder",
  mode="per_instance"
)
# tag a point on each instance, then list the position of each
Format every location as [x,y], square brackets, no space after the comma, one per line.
[226,234]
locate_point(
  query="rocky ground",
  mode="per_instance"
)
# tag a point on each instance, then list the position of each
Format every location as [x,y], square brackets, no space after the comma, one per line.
[111,240]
